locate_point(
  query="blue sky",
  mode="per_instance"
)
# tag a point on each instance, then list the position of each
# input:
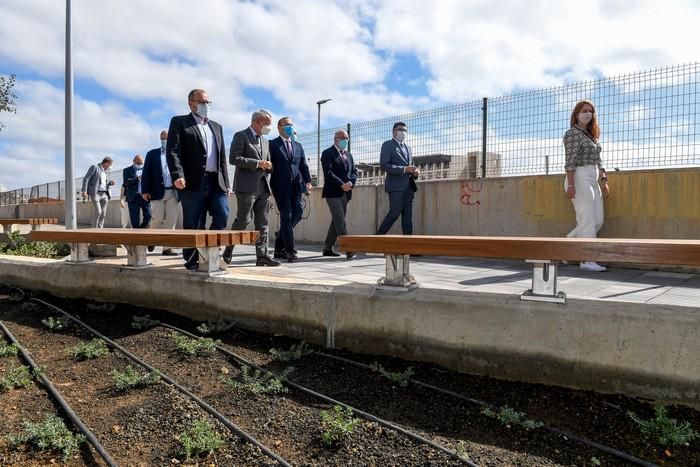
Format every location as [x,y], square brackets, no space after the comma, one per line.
[135,62]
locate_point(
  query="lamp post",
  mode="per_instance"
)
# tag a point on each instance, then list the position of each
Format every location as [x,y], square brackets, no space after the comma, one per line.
[70,208]
[318,141]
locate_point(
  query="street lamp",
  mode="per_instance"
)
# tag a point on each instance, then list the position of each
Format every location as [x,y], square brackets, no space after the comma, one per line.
[318,141]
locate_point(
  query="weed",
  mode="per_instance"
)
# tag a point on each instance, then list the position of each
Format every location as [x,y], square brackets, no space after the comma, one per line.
[52,433]
[211,327]
[338,423]
[88,350]
[56,323]
[402,379]
[258,382]
[16,377]
[461,450]
[666,430]
[295,352]
[144,322]
[8,350]
[131,378]
[509,417]
[595,461]
[200,439]
[17,244]
[200,346]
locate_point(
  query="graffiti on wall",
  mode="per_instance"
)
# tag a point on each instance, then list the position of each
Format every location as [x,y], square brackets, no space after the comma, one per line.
[470,192]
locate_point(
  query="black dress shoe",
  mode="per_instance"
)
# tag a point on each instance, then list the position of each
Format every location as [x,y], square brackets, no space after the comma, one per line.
[228,255]
[292,258]
[150,247]
[282,255]
[266,261]
[169,252]
[350,255]
[192,266]
[330,253]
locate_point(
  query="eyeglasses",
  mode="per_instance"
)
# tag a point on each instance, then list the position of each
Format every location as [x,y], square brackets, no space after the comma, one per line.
[203,102]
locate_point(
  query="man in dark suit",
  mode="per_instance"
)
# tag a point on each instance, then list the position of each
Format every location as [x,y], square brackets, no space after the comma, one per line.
[131,181]
[250,153]
[340,176]
[396,159]
[157,187]
[288,181]
[197,162]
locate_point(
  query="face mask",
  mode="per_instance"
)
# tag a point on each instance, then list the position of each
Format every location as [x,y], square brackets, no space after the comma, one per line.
[343,144]
[400,136]
[203,110]
[294,136]
[266,130]
[138,166]
[288,130]
[585,117]
[163,143]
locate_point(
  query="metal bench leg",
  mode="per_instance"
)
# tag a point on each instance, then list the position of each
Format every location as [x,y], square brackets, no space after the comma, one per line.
[397,273]
[209,261]
[544,283]
[137,256]
[36,227]
[79,253]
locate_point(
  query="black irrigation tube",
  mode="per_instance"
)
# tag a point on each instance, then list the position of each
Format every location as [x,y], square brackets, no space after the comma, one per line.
[601,447]
[92,439]
[209,409]
[368,416]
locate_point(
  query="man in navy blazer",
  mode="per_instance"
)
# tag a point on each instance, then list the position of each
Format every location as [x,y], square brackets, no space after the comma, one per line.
[288,181]
[131,181]
[157,187]
[340,176]
[396,159]
[196,158]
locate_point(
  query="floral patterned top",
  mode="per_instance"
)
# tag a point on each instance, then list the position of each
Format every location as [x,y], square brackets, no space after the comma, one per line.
[580,149]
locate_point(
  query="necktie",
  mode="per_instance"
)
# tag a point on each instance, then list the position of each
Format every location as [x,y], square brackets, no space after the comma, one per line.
[290,151]
[345,159]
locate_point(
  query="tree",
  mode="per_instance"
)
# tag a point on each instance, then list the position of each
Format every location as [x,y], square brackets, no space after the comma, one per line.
[7,97]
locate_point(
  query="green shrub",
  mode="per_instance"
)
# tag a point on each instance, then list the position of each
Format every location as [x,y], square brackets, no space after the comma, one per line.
[191,347]
[258,382]
[200,439]
[131,378]
[509,417]
[15,377]
[89,350]
[51,434]
[211,327]
[338,423]
[400,378]
[56,323]
[18,245]
[666,430]
[295,352]
[8,350]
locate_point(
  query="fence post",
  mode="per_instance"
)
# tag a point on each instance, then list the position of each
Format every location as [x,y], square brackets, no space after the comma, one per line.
[484,123]
[349,138]
[546,165]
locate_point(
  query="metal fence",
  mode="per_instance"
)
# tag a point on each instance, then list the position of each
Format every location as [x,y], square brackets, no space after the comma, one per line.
[648,119]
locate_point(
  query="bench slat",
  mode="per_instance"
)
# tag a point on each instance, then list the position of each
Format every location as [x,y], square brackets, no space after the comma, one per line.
[609,250]
[30,221]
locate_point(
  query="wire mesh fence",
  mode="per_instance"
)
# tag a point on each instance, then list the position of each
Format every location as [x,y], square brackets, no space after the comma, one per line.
[648,119]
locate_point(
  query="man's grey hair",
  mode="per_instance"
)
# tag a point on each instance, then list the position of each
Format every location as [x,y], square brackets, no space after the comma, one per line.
[262,113]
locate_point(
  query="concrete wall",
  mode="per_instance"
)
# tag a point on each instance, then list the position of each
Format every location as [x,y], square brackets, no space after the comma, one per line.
[643,204]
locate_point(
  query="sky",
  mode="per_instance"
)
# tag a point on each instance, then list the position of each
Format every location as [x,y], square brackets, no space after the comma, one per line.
[136,61]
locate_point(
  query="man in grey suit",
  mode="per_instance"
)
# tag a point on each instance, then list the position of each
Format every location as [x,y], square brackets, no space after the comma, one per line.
[396,159]
[96,187]
[250,153]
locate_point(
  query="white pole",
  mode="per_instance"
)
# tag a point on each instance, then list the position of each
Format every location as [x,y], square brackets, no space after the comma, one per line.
[70,208]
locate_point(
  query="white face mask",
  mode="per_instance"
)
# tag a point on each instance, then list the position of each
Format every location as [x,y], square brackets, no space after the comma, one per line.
[163,143]
[138,166]
[203,110]
[266,130]
[585,118]
[400,136]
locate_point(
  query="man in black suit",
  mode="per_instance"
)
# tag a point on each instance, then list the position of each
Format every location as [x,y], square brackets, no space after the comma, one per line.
[197,162]
[288,181]
[250,153]
[340,176]
[131,182]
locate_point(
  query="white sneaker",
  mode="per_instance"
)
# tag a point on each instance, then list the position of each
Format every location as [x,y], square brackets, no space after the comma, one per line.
[592,266]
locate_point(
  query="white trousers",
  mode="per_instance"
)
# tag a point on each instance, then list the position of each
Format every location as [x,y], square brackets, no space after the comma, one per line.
[164,211]
[588,202]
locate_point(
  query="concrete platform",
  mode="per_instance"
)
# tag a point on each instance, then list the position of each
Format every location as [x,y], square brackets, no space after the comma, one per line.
[624,330]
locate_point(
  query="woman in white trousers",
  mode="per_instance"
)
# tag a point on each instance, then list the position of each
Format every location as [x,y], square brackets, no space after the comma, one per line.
[586,183]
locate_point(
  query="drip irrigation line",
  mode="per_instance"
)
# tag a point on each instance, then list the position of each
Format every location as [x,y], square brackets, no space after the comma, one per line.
[622,455]
[77,422]
[209,409]
[361,413]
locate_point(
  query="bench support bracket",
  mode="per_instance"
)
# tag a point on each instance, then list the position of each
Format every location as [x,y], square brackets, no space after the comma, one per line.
[79,253]
[209,262]
[398,275]
[136,256]
[544,283]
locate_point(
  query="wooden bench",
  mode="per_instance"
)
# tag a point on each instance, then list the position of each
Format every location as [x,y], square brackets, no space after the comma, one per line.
[544,252]
[136,242]
[35,222]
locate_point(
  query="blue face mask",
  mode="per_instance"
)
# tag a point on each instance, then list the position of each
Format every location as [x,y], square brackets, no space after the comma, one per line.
[288,130]
[294,137]
[343,144]
[163,143]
